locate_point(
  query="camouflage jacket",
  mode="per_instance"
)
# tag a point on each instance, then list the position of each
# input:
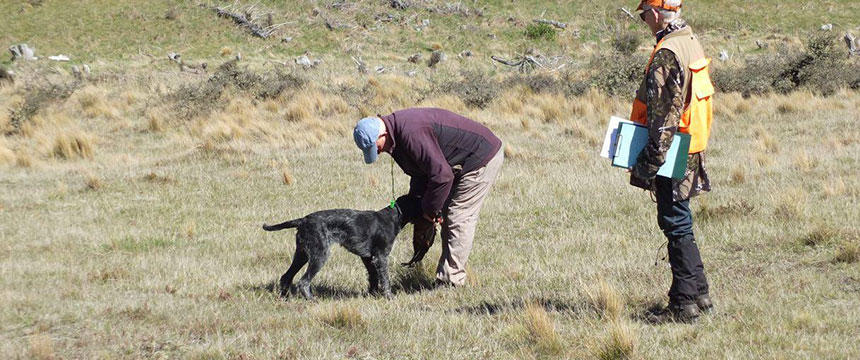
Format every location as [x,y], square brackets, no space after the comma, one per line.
[665,101]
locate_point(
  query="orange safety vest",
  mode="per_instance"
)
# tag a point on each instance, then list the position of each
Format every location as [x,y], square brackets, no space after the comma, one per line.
[699,112]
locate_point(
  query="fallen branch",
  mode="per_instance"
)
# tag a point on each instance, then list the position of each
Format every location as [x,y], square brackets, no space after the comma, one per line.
[628,13]
[557,24]
[244,21]
[525,63]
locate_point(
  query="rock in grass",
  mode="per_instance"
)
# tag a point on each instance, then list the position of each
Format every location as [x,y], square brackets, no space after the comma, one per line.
[22,51]
[399,4]
[436,57]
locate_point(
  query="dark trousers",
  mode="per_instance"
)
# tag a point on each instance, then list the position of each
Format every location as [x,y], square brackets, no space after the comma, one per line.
[676,221]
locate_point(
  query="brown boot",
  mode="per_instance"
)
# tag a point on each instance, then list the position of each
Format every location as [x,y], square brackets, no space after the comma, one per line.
[675,313]
[704,303]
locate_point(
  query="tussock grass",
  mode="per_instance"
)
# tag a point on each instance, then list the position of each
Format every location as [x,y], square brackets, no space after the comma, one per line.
[344,316]
[73,145]
[7,155]
[41,347]
[541,331]
[849,252]
[94,104]
[729,211]
[287,176]
[606,300]
[619,343]
[93,182]
[790,204]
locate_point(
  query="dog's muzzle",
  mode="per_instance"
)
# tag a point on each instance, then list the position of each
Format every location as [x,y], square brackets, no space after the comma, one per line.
[423,236]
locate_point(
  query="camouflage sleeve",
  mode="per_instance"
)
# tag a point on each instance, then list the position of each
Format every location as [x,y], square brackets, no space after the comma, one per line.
[665,101]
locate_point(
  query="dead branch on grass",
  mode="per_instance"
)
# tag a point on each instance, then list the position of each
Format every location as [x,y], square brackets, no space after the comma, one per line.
[524,63]
[557,24]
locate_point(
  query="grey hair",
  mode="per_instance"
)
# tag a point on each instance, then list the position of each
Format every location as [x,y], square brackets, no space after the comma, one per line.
[669,15]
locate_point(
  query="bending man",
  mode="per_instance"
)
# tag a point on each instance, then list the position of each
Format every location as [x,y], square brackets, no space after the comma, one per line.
[452,161]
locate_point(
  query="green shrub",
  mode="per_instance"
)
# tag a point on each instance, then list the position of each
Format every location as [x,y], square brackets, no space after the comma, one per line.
[818,69]
[538,83]
[617,73]
[540,31]
[476,89]
[626,42]
[200,98]
[822,67]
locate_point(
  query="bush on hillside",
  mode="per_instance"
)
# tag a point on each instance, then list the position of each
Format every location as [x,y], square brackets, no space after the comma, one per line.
[626,42]
[199,98]
[475,88]
[823,67]
[540,31]
[617,73]
[37,97]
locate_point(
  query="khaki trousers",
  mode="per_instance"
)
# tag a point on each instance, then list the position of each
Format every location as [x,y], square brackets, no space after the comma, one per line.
[460,218]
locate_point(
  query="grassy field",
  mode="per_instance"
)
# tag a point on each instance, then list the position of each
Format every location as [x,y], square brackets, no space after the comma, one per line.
[131,201]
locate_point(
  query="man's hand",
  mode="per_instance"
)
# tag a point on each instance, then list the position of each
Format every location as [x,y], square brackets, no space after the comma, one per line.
[436,221]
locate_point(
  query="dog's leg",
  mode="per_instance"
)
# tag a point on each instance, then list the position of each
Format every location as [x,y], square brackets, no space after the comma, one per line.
[299,260]
[381,265]
[372,275]
[315,263]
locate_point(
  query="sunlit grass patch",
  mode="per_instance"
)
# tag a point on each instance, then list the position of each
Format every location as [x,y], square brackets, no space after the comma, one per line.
[540,329]
[341,316]
[606,300]
[71,145]
[848,252]
[619,343]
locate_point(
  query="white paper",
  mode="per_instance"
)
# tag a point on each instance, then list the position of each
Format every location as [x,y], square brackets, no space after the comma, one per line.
[611,137]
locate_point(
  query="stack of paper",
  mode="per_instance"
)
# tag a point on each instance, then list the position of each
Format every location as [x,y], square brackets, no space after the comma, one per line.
[624,141]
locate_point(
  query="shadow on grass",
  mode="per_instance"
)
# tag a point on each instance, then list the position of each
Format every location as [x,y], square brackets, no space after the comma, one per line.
[411,280]
[550,305]
[407,280]
[322,291]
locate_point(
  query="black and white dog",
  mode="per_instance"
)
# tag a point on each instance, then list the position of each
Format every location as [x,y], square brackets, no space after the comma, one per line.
[368,234]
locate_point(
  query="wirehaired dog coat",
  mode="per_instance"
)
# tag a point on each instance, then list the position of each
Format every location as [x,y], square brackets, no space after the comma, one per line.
[368,234]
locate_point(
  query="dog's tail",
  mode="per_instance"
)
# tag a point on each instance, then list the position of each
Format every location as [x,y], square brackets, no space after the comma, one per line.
[284,225]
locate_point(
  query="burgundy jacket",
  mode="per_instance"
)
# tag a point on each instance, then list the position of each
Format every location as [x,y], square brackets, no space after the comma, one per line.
[435,146]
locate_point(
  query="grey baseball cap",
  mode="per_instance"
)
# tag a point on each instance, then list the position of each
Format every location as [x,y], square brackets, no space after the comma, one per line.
[365,134]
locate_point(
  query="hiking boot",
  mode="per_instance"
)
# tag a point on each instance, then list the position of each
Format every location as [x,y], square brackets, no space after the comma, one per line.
[677,313]
[704,303]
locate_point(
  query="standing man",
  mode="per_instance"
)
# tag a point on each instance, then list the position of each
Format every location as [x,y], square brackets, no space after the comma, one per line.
[453,162]
[675,96]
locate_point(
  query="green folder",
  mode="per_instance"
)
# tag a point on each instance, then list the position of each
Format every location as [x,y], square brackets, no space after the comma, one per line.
[632,138]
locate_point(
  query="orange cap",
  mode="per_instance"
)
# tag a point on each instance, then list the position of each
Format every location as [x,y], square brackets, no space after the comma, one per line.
[659,4]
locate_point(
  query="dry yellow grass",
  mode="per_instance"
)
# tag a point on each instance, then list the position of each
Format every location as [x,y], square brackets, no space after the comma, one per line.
[607,301]
[790,204]
[42,347]
[94,103]
[541,330]
[849,252]
[341,316]
[738,175]
[72,145]
[620,343]
[93,182]
[287,176]
[7,155]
